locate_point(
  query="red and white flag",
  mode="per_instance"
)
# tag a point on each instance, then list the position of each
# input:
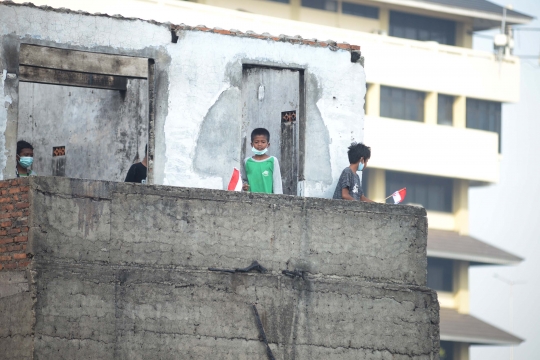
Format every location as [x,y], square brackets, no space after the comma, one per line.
[236,182]
[399,195]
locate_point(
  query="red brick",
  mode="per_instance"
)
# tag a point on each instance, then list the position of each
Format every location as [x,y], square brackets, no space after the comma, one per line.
[10,266]
[14,190]
[5,258]
[14,231]
[17,214]
[223,32]
[8,207]
[1,267]
[23,264]
[6,240]
[24,197]
[5,224]
[25,188]
[24,247]
[355,47]
[15,182]
[21,238]
[3,249]
[14,248]
[4,184]
[3,232]
[5,200]
[22,205]
[6,215]
[344,46]
[19,256]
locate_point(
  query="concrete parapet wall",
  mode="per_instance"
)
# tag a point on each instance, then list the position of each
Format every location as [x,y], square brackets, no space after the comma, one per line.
[120,271]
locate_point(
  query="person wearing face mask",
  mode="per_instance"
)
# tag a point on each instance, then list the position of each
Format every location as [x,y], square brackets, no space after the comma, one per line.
[25,159]
[261,173]
[349,186]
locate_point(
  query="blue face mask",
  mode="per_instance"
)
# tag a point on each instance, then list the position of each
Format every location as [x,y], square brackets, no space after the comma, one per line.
[360,167]
[259,152]
[26,161]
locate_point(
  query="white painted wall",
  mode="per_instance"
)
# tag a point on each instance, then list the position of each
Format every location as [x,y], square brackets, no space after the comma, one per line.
[432,149]
[390,61]
[203,66]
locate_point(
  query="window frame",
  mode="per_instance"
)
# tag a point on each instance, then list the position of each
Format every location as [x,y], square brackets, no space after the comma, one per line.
[422,28]
[447,274]
[489,120]
[370,12]
[434,193]
[402,104]
[445,109]
[323,5]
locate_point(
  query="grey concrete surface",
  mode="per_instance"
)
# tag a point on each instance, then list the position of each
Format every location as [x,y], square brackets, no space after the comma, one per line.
[121,272]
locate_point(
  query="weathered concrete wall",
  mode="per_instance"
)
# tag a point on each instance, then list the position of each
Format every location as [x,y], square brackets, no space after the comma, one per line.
[198,87]
[104,131]
[121,272]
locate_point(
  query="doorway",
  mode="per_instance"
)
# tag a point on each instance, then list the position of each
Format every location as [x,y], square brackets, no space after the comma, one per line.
[86,114]
[273,98]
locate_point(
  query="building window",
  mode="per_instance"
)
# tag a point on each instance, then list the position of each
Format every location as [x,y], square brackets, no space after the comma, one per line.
[432,192]
[445,109]
[446,351]
[402,104]
[422,28]
[439,274]
[484,115]
[360,10]
[328,5]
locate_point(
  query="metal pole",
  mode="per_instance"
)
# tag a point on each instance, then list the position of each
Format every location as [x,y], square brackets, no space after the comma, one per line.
[511,304]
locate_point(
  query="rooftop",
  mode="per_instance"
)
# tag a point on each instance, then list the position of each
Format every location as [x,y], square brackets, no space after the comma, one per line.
[451,245]
[468,329]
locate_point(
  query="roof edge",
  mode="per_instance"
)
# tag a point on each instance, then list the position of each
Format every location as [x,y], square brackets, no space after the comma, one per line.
[330,44]
[479,341]
[472,258]
[458,11]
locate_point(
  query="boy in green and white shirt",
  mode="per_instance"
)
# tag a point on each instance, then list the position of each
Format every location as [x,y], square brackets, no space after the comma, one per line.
[261,172]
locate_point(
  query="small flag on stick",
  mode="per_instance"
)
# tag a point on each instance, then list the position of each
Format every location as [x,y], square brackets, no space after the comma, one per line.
[236,183]
[398,196]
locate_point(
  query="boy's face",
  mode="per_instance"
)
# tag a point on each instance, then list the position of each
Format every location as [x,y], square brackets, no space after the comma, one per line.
[26,152]
[260,142]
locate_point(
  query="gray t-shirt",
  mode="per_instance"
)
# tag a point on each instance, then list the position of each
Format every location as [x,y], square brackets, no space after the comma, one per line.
[349,180]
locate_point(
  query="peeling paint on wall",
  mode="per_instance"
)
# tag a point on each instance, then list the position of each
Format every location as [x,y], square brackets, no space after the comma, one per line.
[197,82]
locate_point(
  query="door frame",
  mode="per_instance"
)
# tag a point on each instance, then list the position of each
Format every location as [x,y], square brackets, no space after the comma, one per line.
[302,118]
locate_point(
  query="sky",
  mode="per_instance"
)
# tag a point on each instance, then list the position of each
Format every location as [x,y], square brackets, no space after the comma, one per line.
[507,214]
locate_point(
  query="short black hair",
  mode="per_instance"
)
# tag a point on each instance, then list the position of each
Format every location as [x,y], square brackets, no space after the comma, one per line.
[357,151]
[260,131]
[21,144]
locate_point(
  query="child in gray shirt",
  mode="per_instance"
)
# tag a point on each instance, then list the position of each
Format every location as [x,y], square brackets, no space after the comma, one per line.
[349,186]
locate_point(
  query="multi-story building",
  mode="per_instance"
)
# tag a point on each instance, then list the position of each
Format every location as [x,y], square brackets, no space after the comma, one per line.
[433,114]
[433,119]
